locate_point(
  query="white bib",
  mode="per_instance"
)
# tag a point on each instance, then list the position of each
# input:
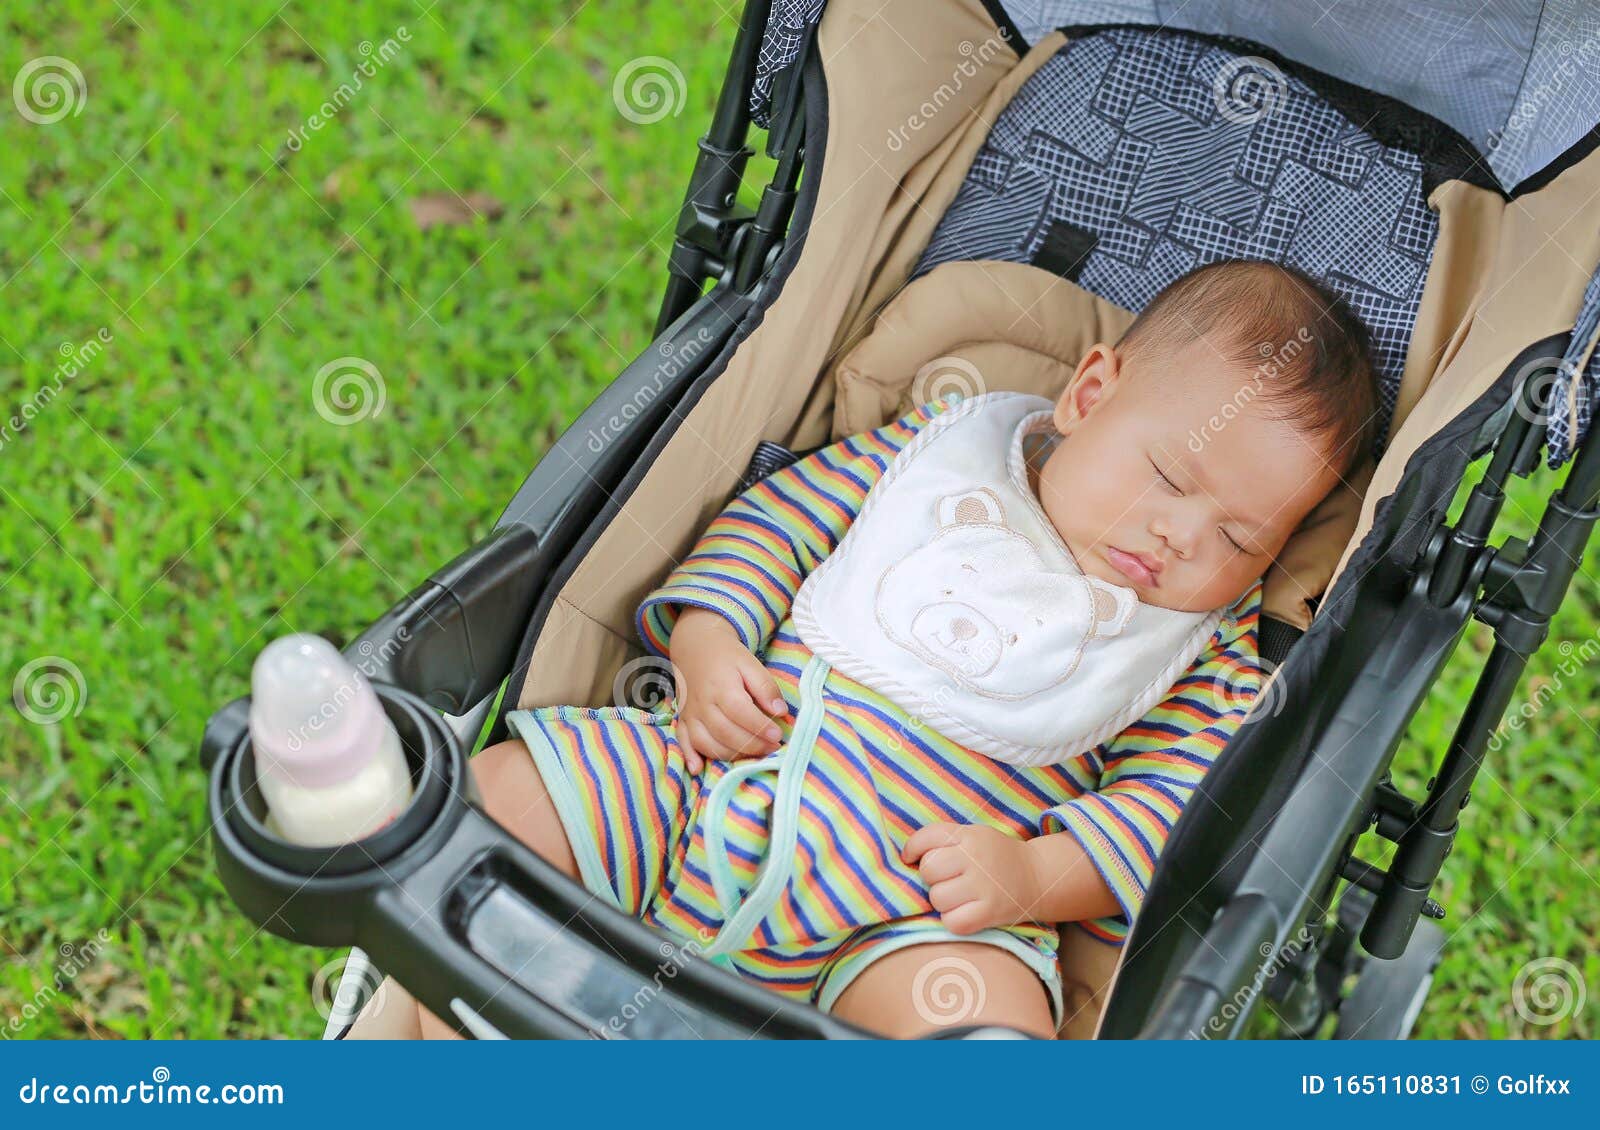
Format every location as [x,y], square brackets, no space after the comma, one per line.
[954,597]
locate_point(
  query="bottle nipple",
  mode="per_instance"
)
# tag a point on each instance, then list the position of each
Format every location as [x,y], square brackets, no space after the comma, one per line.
[314,718]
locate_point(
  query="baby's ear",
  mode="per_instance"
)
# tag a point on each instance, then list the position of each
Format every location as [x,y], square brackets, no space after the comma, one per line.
[981,506]
[1096,378]
[1113,608]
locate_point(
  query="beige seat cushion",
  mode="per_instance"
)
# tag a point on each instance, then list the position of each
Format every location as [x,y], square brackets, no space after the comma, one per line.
[977,326]
[983,326]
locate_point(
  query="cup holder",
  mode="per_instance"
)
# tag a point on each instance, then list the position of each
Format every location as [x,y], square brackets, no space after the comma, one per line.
[311,894]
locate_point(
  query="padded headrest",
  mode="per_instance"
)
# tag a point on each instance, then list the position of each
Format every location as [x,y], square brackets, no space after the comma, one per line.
[973,326]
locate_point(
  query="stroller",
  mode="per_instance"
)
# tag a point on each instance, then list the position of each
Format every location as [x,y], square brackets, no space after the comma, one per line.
[1052,164]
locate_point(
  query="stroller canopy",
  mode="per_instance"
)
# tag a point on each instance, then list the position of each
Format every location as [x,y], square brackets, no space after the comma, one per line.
[1516,78]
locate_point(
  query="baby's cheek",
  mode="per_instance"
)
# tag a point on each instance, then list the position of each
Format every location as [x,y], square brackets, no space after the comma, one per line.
[1064,495]
[1225,582]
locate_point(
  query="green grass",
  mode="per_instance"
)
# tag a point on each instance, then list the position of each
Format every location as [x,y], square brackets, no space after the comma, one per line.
[181,501]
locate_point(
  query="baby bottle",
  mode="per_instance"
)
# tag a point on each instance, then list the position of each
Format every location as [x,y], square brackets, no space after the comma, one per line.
[328,760]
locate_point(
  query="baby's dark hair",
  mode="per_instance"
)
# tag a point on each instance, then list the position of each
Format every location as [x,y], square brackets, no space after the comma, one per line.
[1312,353]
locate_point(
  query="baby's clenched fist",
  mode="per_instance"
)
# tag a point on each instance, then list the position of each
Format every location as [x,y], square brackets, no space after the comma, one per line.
[977,876]
[726,697]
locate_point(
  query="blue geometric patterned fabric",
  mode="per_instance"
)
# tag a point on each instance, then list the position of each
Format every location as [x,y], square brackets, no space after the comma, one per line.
[1513,77]
[787,24]
[1174,153]
[1561,438]
[1516,78]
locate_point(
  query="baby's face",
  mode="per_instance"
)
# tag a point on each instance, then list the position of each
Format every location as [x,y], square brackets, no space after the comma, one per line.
[1174,479]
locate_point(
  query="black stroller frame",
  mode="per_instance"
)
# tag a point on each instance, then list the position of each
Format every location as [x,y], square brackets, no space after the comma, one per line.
[492,937]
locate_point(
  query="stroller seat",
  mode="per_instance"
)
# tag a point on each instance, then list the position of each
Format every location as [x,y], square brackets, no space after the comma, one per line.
[1108,159]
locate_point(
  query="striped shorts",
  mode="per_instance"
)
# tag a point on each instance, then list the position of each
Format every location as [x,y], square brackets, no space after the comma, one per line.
[782,868]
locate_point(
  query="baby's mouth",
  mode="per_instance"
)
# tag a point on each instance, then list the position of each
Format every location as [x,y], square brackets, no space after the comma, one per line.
[1131,567]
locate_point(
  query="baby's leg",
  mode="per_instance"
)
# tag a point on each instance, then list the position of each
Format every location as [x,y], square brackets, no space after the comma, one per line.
[916,990]
[514,794]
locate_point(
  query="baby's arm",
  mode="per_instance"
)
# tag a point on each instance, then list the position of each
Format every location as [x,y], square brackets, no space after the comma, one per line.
[726,697]
[745,571]
[978,876]
[1096,853]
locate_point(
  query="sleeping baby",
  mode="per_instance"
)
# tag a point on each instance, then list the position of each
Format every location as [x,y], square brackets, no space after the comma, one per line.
[943,688]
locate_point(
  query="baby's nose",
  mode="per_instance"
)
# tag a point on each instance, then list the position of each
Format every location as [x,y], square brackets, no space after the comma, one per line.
[963,628]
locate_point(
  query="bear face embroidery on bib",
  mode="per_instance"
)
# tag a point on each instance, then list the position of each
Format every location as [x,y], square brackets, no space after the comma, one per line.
[978,602]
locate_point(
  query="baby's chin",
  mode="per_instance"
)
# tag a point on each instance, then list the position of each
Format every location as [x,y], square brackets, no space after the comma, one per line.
[1193,601]
[1183,605]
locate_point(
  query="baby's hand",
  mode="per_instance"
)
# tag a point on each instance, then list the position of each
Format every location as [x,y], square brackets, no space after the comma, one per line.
[725,695]
[976,876]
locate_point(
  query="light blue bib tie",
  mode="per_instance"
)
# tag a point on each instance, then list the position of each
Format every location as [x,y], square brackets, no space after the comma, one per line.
[790,761]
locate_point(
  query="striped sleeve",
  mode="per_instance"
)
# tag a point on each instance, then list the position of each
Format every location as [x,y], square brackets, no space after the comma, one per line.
[1150,770]
[751,560]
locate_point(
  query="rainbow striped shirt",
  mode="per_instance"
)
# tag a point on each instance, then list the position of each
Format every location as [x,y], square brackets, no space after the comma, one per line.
[1119,801]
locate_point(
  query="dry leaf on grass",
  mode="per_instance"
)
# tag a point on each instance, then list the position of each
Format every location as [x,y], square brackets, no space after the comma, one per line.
[432,209]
